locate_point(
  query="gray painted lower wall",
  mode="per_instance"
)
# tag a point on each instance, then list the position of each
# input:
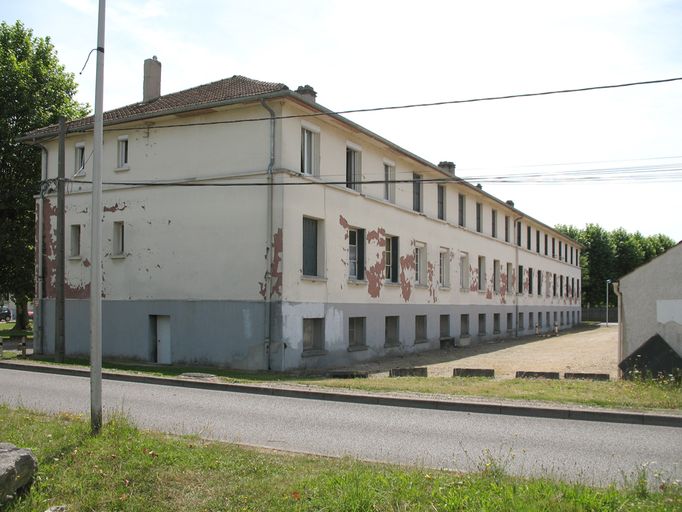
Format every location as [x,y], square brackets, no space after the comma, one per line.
[231,334]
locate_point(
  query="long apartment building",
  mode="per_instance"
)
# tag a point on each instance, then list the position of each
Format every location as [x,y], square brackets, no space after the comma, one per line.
[247,226]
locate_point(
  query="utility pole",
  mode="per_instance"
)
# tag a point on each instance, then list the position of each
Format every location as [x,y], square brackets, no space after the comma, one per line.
[59,345]
[96,238]
[608,282]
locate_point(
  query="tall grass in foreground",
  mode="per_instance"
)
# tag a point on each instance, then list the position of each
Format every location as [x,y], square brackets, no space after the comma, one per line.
[131,470]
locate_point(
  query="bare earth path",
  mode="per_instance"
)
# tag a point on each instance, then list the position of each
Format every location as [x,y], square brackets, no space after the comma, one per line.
[587,349]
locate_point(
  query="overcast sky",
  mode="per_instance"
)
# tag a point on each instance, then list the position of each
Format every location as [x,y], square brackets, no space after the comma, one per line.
[379,53]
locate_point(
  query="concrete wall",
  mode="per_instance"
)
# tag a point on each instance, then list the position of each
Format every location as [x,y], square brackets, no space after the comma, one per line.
[652,303]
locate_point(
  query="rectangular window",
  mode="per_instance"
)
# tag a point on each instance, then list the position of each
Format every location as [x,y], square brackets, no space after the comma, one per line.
[537,241]
[510,322]
[310,247]
[530,280]
[548,321]
[573,287]
[75,249]
[420,263]
[461,209]
[123,152]
[510,282]
[481,324]
[518,234]
[546,239]
[562,318]
[79,165]
[353,169]
[356,253]
[520,280]
[493,226]
[571,255]
[389,183]
[420,328]
[310,152]
[506,228]
[444,267]
[559,249]
[313,334]
[553,247]
[520,322]
[577,288]
[391,331]
[416,192]
[496,323]
[540,320]
[539,282]
[531,320]
[391,259]
[441,202]
[118,248]
[356,332]
[528,237]
[561,286]
[481,274]
[496,276]
[444,326]
[464,271]
[479,217]
[554,288]
[464,325]
[555,318]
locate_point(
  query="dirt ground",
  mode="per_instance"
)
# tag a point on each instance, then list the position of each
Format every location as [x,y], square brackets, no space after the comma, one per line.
[592,349]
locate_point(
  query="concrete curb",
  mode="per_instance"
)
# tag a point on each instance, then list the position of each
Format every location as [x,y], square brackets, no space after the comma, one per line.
[556,412]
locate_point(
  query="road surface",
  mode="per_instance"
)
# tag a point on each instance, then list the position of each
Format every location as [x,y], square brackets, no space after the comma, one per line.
[590,452]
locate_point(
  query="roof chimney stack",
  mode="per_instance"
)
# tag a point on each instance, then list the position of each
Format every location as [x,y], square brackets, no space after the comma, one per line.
[151,88]
[448,167]
[308,92]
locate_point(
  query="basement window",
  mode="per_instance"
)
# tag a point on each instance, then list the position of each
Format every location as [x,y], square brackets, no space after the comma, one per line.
[356,333]
[313,335]
[420,329]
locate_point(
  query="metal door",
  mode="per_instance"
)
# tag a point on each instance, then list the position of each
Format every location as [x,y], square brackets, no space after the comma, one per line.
[163,340]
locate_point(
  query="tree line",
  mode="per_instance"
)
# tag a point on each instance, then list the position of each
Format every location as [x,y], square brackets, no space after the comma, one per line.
[611,255]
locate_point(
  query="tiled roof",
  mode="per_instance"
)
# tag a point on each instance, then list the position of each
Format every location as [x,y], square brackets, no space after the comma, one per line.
[214,93]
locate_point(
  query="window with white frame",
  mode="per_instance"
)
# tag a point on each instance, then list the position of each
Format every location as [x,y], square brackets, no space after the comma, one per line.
[310,151]
[441,202]
[391,259]
[444,267]
[510,270]
[389,182]
[312,247]
[461,209]
[122,162]
[75,248]
[420,263]
[494,223]
[79,159]
[356,253]
[353,168]
[479,217]
[118,248]
[464,270]
[530,281]
[496,276]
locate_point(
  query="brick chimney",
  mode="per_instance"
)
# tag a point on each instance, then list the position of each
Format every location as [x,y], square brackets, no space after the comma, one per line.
[308,92]
[151,88]
[448,167]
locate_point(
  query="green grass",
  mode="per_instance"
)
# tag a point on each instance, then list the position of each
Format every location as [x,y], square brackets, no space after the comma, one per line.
[129,470]
[641,395]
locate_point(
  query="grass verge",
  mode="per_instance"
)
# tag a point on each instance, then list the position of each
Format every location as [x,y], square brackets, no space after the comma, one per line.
[638,394]
[127,469]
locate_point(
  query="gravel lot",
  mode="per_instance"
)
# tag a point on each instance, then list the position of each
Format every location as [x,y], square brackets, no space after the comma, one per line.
[587,349]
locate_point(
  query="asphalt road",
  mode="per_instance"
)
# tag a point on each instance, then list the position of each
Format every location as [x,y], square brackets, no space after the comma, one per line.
[590,452]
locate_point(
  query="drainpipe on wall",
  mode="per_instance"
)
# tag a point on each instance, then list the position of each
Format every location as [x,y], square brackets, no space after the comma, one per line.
[616,288]
[268,236]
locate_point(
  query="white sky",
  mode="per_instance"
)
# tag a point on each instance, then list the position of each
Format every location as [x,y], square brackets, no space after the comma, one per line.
[376,53]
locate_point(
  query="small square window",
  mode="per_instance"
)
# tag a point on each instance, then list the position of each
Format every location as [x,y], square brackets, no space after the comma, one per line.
[392,331]
[464,325]
[444,326]
[420,328]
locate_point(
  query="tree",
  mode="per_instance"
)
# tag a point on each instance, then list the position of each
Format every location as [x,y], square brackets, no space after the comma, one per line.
[35,90]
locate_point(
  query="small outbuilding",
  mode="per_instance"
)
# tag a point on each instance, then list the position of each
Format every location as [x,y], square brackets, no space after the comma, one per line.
[650,315]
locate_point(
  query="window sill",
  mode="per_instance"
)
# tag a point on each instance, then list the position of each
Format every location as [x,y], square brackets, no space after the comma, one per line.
[465,336]
[444,288]
[118,256]
[75,258]
[420,285]
[357,348]
[391,345]
[122,169]
[314,279]
[314,352]
[417,342]
[391,283]
[358,282]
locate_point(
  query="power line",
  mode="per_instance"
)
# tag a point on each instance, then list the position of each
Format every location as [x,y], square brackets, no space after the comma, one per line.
[406,106]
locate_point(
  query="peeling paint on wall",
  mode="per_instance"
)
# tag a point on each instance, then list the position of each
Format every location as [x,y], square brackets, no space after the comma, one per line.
[407,263]
[503,287]
[275,267]
[117,208]
[375,273]
[473,284]
[429,279]
[50,248]
[526,281]
[344,224]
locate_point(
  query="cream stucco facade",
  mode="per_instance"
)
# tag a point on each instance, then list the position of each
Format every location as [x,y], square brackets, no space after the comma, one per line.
[251,235]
